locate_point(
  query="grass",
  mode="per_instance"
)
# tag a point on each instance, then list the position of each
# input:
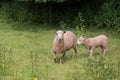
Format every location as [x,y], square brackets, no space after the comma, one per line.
[26,53]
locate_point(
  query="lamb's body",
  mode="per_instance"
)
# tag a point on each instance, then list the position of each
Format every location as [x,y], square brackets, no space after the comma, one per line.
[92,43]
[62,46]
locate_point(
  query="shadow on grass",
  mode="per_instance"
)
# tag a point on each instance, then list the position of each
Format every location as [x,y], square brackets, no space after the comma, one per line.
[32,27]
[84,55]
[97,54]
[66,58]
[70,57]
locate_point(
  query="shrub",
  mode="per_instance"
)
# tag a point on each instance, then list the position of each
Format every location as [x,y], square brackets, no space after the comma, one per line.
[106,16]
[62,25]
[79,22]
[5,12]
[14,12]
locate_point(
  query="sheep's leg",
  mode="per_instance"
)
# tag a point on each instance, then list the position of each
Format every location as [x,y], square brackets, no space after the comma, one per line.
[61,57]
[64,54]
[75,51]
[54,56]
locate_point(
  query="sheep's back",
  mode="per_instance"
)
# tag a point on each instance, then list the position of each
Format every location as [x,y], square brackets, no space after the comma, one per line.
[69,40]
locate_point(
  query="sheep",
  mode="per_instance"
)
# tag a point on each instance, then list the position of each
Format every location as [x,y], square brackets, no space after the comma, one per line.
[63,41]
[92,43]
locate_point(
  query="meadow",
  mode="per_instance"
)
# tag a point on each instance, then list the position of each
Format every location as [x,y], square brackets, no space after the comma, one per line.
[26,54]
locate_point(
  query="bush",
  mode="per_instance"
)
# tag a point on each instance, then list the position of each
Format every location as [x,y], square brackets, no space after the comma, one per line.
[109,15]
[20,12]
[10,12]
[106,15]
[5,12]
[79,22]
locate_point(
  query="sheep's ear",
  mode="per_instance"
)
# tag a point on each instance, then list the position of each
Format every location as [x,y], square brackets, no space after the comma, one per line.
[64,32]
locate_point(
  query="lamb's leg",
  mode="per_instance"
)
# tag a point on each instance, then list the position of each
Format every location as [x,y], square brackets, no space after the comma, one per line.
[54,56]
[91,51]
[75,51]
[104,49]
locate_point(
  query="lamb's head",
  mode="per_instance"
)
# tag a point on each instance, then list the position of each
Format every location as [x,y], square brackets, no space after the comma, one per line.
[59,35]
[80,40]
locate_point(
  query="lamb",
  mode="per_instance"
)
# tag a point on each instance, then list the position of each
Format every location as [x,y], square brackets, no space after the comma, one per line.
[63,41]
[92,43]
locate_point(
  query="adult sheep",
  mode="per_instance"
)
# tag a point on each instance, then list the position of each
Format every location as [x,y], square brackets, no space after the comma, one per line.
[92,43]
[63,41]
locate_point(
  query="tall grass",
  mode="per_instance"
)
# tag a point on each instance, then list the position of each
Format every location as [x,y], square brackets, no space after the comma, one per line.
[26,54]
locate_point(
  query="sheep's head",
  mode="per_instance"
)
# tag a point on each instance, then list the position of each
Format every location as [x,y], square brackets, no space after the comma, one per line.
[60,35]
[80,40]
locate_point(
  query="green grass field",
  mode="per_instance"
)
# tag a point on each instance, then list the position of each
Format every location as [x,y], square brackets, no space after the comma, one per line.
[26,54]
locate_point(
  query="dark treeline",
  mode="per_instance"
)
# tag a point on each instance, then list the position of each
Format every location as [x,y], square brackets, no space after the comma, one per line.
[77,13]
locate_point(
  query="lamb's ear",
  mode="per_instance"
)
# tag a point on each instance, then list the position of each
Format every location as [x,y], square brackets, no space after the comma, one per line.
[81,37]
[84,39]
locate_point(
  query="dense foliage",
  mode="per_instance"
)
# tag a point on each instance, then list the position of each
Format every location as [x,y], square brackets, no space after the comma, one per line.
[92,14]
